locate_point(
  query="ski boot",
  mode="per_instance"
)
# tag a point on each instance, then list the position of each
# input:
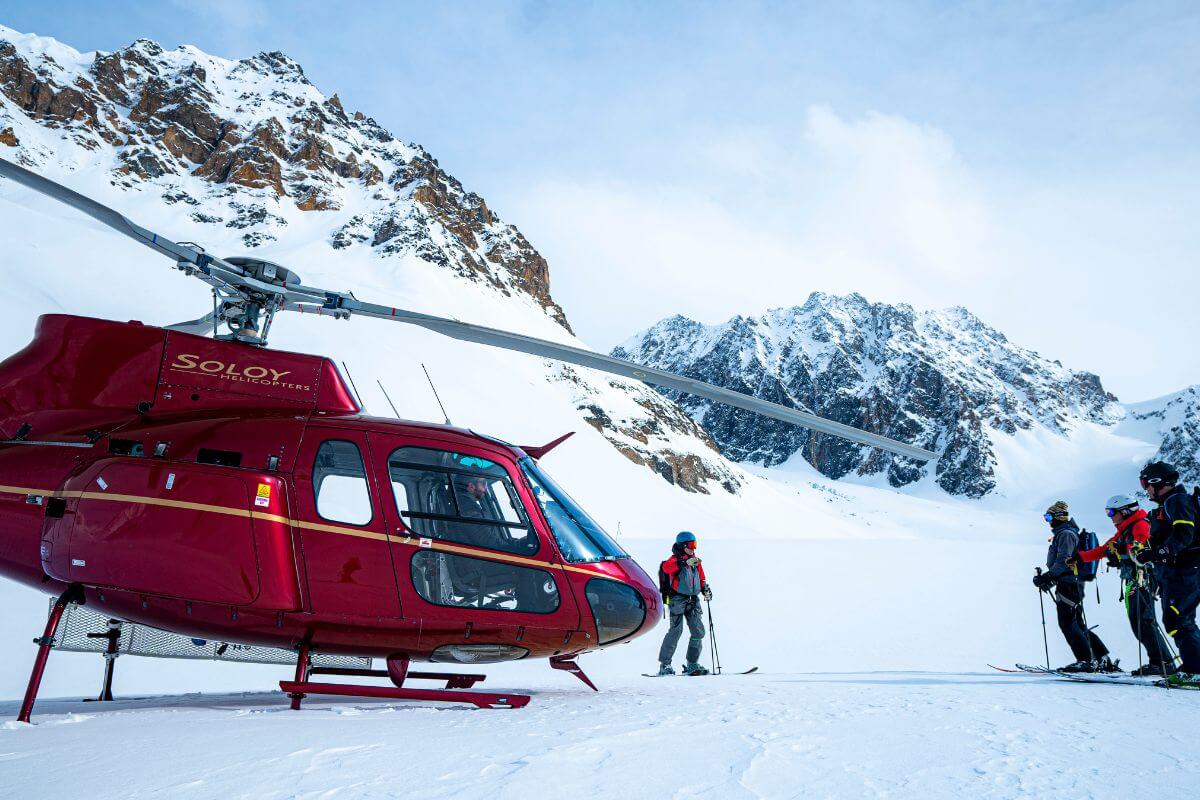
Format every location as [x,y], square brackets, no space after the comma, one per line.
[665,669]
[694,669]
[1107,664]
[1155,671]
[1078,666]
[1186,680]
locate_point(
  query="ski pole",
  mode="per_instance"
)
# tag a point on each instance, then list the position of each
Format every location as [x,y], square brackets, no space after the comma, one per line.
[1045,641]
[712,635]
[1128,592]
[1087,632]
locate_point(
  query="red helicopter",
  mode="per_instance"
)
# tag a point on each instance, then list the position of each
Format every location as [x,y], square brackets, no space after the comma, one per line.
[215,488]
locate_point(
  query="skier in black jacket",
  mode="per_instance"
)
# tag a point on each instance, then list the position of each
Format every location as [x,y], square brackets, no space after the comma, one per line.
[1090,653]
[1175,548]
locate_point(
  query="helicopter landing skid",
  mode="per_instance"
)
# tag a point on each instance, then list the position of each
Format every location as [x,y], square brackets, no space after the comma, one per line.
[397,671]
[477,699]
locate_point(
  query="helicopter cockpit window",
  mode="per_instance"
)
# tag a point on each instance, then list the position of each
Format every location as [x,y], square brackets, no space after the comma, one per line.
[459,498]
[340,483]
[579,537]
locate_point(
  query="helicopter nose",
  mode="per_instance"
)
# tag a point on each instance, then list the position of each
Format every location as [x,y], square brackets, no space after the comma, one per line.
[625,605]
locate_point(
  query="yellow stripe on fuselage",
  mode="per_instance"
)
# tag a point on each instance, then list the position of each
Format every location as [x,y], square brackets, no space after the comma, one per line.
[321,527]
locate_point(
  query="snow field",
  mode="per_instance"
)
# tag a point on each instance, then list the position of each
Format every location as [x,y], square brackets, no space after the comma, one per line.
[873,684]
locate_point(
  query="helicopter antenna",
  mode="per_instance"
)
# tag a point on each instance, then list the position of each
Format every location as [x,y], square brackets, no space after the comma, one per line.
[435,395]
[388,397]
[352,386]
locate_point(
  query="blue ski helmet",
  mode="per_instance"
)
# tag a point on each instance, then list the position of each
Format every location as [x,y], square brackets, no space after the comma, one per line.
[685,536]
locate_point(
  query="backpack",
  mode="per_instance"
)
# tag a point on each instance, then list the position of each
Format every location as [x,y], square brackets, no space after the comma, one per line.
[664,580]
[1087,569]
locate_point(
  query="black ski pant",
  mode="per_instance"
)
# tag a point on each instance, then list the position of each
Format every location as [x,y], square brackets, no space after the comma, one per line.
[1139,605]
[1083,643]
[1180,596]
[683,607]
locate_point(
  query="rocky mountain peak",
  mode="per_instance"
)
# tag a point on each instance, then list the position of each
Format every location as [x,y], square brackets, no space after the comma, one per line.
[943,380]
[260,127]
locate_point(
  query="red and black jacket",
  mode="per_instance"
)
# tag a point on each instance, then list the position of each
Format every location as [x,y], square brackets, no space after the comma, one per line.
[1134,528]
[674,566]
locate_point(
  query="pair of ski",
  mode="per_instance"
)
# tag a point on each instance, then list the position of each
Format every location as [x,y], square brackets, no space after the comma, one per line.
[1119,678]
[706,674]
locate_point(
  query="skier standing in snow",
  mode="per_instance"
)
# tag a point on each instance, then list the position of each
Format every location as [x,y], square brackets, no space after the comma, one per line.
[1175,551]
[1133,534]
[682,582]
[1090,653]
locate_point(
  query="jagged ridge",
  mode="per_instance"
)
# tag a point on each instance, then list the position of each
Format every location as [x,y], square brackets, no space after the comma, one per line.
[939,379]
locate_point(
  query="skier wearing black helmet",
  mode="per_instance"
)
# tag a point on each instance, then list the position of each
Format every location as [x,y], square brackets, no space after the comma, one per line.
[1175,552]
[1090,653]
[682,583]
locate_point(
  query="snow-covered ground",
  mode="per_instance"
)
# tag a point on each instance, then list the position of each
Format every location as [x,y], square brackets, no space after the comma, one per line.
[780,735]
[873,682]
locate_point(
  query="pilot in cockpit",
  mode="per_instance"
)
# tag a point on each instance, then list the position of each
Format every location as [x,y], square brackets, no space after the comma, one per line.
[472,504]
[470,501]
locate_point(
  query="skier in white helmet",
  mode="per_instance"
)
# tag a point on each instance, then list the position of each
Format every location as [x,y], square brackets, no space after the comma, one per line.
[1133,534]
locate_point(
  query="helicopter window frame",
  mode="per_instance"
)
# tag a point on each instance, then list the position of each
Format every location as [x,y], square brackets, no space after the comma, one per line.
[458,580]
[580,538]
[519,547]
[324,473]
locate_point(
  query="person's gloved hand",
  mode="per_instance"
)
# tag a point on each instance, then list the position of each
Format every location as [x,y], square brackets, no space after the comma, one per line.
[1113,559]
[1043,581]
[707,592]
[1148,556]
[693,562]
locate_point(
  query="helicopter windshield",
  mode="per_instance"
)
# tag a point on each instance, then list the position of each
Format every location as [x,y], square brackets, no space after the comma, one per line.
[579,537]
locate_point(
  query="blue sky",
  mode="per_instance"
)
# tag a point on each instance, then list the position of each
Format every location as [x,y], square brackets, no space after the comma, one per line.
[1034,162]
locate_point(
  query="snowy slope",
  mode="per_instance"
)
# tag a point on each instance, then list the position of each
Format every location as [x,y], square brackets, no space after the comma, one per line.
[1173,420]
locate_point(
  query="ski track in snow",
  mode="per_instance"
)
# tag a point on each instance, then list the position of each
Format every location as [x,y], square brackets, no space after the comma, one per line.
[871,735]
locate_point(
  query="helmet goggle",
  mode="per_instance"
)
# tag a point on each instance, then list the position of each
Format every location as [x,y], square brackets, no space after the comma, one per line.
[1112,512]
[1148,482]
[1048,517]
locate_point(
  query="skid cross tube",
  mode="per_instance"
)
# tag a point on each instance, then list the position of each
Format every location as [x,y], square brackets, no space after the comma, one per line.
[73,594]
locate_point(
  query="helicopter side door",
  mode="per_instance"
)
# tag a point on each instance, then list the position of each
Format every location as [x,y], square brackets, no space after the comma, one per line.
[468,559]
[346,555]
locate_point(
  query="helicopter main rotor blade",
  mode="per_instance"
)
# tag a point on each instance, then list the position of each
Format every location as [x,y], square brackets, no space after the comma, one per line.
[99,212]
[493,337]
[216,272]
[235,281]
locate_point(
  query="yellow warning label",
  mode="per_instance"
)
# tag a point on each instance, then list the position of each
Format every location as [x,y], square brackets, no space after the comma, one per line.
[264,495]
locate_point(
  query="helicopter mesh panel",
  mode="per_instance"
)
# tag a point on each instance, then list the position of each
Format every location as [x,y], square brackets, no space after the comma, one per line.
[142,640]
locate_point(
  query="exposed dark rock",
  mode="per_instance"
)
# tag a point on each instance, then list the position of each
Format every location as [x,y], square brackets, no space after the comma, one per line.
[940,380]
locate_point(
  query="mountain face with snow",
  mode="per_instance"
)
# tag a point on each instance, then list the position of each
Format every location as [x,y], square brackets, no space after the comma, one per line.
[252,148]
[1175,420]
[942,380]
